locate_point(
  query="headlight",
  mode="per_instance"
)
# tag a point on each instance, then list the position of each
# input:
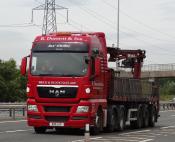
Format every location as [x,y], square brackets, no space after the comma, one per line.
[88,90]
[82,109]
[32,108]
[27,89]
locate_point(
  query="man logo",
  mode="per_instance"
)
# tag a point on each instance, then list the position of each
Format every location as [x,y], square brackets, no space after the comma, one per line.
[54,92]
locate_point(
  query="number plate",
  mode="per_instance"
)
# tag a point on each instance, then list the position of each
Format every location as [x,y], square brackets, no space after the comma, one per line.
[56,124]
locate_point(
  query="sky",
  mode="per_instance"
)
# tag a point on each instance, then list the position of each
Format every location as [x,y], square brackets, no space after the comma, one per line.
[144,24]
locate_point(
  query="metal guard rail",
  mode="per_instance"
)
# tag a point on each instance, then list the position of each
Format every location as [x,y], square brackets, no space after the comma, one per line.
[12,108]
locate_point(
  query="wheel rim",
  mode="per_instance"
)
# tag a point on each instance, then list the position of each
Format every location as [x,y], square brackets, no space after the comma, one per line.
[99,121]
[146,119]
[153,118]
[113,122]
[121,124]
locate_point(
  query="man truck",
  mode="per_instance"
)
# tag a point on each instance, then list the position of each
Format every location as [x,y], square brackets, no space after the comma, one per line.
[70,85]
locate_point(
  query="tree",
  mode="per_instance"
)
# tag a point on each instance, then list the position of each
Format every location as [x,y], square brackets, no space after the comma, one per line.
[12,84]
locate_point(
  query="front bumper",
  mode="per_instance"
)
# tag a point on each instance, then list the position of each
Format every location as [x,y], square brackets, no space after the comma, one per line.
[68,124]
[69,119]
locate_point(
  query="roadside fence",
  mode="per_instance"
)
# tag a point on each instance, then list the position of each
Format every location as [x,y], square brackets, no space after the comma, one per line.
[12,110]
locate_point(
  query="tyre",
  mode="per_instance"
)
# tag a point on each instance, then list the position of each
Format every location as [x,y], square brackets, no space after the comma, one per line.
[152,117]
[40,130]
[139,122]
[139,119]
[98,123]
[146,118]
[121,120]
[111,120]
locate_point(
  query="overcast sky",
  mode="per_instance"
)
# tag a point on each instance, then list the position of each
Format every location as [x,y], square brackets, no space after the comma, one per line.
[144,24]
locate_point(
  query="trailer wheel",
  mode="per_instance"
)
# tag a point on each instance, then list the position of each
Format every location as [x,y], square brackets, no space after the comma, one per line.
[137,123]
[98,123]
[111,120]
[121,120]
[146,118]
[40,130]
[152,117]
[139,119]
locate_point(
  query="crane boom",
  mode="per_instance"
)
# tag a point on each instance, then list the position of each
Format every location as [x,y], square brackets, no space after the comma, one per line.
[131,59]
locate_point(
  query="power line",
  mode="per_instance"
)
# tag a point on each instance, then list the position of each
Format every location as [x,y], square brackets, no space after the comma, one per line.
[138,21]
[74,24]
[96,16]
[18,25]
[146,35]
[94,13]
[152,45]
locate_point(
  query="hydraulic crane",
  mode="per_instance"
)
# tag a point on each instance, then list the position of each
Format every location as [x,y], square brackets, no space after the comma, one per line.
[130,59]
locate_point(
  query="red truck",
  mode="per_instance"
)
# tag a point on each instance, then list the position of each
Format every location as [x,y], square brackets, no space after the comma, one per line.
[70,85]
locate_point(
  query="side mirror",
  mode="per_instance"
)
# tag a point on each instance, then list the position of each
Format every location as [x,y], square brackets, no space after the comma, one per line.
[97,67]
[23,66]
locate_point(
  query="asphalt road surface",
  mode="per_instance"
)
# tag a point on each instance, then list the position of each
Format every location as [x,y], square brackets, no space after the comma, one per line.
[18,131]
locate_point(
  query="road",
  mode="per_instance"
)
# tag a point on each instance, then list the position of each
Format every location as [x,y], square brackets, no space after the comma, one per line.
[18,131]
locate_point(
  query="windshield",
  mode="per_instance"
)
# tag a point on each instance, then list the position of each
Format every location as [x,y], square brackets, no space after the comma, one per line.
[59,64]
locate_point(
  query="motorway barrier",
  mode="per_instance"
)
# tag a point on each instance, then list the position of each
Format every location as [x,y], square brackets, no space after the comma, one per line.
[167,106]
[12,108]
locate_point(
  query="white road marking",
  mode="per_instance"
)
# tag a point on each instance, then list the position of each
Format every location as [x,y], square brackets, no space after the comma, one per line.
[163,132]
[15,131]
[129,138]
[167,127]
[142,131]
[139,135]
[167,111]
[153,134]
[16,121]
[146,140]
[82,140]
[116,140]
[173,115]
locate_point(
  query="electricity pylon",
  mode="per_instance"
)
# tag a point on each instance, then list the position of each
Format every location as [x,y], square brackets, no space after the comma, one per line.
[49,20]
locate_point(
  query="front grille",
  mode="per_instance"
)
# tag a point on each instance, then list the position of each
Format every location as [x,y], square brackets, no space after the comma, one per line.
[56,109]
[79,117]
[53,92]
[57,118]
[34,116]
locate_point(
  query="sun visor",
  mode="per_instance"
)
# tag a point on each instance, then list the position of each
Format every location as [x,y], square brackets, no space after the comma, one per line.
[60,47]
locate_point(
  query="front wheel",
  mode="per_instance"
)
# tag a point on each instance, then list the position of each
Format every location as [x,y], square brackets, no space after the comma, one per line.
[98,127]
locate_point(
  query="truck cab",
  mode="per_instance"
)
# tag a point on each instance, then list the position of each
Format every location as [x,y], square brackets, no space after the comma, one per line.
[66,81]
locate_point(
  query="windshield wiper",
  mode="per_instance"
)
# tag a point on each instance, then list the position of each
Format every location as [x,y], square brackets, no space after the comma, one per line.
[69,75]
[45,74]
